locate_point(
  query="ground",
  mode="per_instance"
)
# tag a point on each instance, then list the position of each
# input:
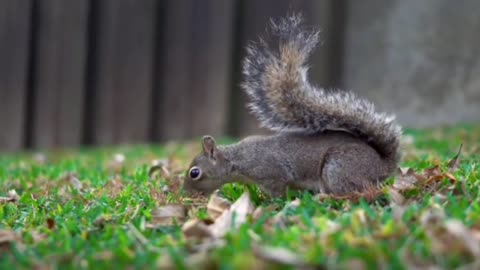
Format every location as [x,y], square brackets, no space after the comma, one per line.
[123,207]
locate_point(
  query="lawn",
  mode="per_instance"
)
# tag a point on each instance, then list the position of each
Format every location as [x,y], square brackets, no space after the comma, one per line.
[123,207]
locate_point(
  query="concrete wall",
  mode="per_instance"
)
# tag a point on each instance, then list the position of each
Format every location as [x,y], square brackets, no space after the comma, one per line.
[419,59]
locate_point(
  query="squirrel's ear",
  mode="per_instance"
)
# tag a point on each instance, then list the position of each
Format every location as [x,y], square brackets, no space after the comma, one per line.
[210,148]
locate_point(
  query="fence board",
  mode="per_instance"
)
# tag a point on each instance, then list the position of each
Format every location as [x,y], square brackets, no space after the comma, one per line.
[59,73]
[255,15]
[194,67]
[172,119]
[123,71]
[211,66]
[14,54]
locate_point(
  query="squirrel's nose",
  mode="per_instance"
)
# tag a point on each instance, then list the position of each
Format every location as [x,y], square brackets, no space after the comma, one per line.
[190,190]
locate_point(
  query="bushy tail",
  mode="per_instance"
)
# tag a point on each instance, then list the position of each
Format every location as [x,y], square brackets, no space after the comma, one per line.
[282,98]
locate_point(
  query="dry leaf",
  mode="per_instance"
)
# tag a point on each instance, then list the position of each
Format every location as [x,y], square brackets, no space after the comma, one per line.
[229,218]
[258,213]
[113,187]
[369,193]
[355,264]
[199,260]
[104,255]
[75,182]
[217,205]
[102,220]
[159,166]
[280,218]
[406,181]
[50,223]
[449,236]
[464,236]
[6,238]
[168,215]
[455,161]
[72,180]
[165,189]
[240,209]
[278,255]
[432,171]
[195,228]
[37,236]
[12,197]
[396,197]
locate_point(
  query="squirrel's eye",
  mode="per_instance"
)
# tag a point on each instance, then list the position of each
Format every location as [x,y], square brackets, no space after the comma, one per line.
[195,173]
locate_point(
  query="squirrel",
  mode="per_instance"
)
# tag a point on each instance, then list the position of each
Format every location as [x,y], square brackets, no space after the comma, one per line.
[326,141]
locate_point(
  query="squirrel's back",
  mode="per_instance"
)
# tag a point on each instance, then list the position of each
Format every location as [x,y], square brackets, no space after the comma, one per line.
[283,99]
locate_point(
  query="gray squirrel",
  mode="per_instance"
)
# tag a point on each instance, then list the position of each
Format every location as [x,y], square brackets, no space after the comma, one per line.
[326,141]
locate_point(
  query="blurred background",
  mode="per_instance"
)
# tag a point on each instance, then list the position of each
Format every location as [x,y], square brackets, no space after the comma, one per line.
[102,72]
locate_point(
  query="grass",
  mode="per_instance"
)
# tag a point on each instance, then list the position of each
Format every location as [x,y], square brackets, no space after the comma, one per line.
[89,208]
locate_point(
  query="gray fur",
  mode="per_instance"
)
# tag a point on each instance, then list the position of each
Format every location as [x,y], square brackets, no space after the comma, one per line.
[310,109]
[332,142]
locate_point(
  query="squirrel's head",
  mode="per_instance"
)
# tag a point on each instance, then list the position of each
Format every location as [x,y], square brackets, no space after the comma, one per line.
[208,170]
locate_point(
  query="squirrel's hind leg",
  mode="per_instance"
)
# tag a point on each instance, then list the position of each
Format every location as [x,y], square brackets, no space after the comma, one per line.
[352,168]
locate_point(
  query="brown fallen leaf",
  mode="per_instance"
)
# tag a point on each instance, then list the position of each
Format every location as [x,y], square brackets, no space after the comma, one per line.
[104,255]
[37,236]
[50,223]
[369,194]
[396,197]
[354,264]
[72,179]
[455,161]
[198,260]
[168,215]
[449,236]
[195,228]
[159,166]
[12,197]
[258,213]
[113,187]
[432,171]
[280,218]
[465,236]
[8,237]
[441,177]
[278,255]
[217,205]
[226,221]
[230,218]
[408,180]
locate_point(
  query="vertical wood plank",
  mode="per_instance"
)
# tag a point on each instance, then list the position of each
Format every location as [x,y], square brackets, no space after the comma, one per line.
[14,58]
[211,66]
[172,116]
[195,65]
[61,40]
[123,70]
[255,16]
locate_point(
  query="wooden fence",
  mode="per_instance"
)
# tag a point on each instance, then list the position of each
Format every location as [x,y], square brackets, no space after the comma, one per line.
[76,72]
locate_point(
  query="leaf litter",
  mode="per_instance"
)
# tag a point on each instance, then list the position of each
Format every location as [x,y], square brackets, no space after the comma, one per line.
[11,197]
[224,216]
